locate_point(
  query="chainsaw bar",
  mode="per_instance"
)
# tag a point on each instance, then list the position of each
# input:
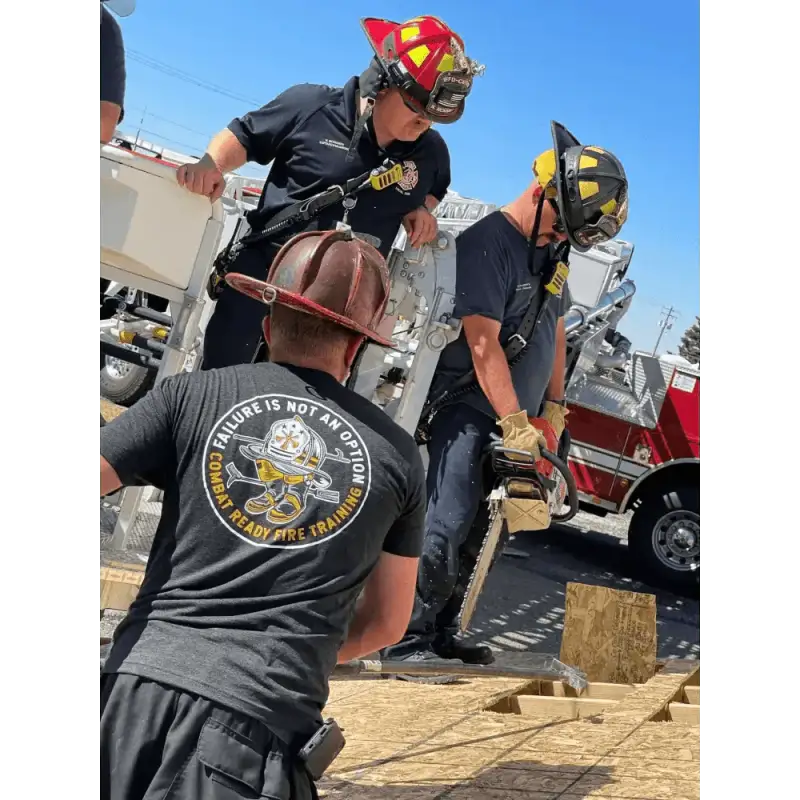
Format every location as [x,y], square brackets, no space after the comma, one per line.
[484,560]
[537,666]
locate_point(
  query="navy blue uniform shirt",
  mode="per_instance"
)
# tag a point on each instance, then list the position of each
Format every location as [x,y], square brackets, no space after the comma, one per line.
[306,133]
[493,280]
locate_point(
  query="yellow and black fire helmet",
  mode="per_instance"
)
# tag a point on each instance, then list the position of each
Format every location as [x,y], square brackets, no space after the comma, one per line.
[588,186]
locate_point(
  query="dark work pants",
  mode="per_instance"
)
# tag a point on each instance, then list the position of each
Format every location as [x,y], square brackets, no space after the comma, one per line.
[233,334]
[157,743]
[458,436]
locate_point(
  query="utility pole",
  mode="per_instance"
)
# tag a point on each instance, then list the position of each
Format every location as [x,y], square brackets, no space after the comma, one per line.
[665,323]
[141,123]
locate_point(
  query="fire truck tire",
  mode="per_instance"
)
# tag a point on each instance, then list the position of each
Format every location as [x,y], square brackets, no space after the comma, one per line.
[124,383]
[664,536]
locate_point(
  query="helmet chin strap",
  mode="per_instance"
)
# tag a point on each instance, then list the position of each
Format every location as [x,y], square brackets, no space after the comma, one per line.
[537,221]
[370,82]
[562,250]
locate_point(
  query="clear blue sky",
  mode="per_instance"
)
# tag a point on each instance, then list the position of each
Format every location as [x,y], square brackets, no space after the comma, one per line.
[623,76]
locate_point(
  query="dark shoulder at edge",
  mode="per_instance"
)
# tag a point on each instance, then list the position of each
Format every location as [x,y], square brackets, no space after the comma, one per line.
[435,141]
[315,92]
[492,227]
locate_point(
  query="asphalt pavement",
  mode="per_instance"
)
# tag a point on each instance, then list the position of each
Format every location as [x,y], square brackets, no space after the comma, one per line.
[522,605]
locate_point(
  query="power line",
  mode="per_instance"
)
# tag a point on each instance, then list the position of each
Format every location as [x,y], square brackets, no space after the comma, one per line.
[171,122]
[166,139]
[665,323]
[179,74]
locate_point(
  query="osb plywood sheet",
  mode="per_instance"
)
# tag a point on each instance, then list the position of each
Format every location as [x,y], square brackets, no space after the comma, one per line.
[110,410]
[610,634]
[399,749]
[648,700]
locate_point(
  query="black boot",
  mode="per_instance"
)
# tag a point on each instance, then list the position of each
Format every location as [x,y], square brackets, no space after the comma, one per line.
[448,646]
[423,655]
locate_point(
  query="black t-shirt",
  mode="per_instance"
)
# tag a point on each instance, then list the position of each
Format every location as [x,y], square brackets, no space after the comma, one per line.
[112,61]
[493,279]
[306,132]
[281,489]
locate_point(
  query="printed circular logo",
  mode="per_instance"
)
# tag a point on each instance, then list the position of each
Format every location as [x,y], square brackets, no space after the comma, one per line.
[284,472]
[410,176]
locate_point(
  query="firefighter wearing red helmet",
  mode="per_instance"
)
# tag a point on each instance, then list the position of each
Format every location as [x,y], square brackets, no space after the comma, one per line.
[316,137]
[425,61]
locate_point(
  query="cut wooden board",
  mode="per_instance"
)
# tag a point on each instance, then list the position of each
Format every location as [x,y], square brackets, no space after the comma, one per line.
[610,634]
[119,587]
[684,712]
[573,707]
[594,691]
[692,694]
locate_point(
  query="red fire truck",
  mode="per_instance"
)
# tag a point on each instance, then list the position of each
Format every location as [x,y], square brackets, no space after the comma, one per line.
[634,425]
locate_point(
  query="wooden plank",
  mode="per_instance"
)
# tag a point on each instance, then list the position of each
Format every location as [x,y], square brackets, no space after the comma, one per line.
[692,694]
[538,705]
[610,634]
[124,565]
[684,712]
[119,587]
[594,691]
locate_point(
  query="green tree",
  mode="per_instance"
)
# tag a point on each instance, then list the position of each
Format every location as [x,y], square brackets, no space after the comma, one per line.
[689,347]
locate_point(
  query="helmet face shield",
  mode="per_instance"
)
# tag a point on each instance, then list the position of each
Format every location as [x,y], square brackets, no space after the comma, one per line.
[444,103]
[607,227]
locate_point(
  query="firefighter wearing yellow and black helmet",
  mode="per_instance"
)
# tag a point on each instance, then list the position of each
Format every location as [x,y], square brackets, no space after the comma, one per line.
[505,370]
[587,188]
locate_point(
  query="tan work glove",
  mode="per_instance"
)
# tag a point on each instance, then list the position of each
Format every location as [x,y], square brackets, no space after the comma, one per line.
[521,435]
[556,415]
[522,514]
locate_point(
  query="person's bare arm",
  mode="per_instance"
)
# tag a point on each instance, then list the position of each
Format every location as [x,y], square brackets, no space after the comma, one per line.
[555,388]
[384,608]
[491,366]
[109,117]
[109,480]
[431,202]
[226,152]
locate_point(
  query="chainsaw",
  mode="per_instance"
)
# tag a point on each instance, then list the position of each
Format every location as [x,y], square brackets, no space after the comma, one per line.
[522,477]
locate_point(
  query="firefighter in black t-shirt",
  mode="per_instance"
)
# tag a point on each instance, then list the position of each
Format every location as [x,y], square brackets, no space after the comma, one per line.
[289,541]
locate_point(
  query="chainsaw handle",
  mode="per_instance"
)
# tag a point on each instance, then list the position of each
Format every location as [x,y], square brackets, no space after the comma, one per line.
[496,446]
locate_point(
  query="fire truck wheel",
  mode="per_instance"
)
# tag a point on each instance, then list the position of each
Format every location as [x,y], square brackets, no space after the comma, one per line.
[124,383]
[664,536]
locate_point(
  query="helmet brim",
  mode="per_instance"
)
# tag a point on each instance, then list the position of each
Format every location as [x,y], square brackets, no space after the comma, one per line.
[563,140]
[268,294]
[376,30]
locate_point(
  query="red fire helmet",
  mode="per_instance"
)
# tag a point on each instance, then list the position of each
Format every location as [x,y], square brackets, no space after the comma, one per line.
[425,59]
